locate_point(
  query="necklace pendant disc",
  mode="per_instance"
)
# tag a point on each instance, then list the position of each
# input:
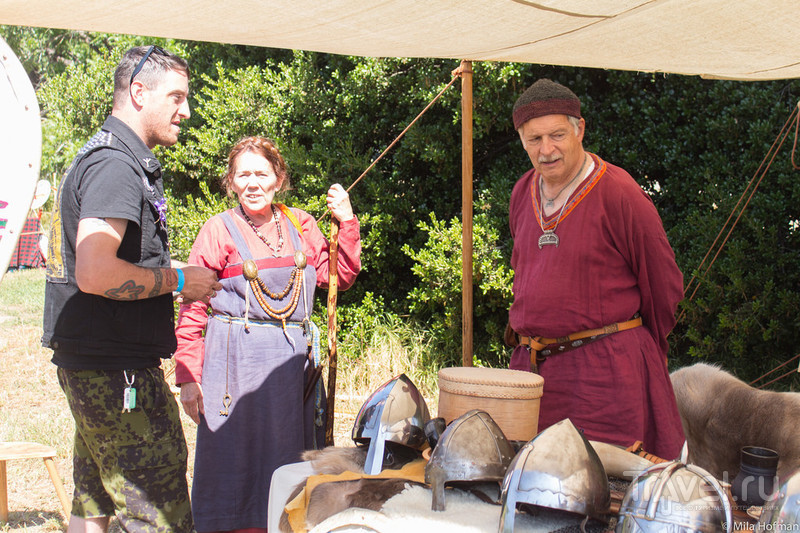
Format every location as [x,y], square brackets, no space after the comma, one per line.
[548,237]
[300,260]
[250,270]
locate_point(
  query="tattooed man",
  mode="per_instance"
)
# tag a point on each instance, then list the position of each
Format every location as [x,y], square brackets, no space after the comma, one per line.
[108,306]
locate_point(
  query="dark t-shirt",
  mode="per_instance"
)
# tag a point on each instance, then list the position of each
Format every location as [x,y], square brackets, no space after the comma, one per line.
[114,175]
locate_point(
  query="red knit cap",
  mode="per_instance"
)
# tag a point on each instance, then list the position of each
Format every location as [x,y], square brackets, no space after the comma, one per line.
[545,97]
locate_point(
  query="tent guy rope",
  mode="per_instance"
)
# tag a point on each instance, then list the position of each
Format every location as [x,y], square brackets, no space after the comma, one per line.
[775,370]
[333,275]
[752,186]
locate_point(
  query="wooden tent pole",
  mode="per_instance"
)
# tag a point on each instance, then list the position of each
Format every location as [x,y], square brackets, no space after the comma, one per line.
[466,212]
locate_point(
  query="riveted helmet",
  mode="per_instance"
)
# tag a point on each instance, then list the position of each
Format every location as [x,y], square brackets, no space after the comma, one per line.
[472,448]
[557,469]
[395,413]
[674,496]
[781,511]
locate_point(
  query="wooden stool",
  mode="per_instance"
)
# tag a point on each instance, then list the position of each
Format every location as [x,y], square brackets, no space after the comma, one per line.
[30,450]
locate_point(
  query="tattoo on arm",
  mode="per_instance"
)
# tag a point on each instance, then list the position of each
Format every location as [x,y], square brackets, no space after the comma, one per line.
[159,278]
[171,278]
[127,291]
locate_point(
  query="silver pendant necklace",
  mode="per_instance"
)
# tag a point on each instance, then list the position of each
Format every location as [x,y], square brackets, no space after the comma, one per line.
[549,236]
[550,202]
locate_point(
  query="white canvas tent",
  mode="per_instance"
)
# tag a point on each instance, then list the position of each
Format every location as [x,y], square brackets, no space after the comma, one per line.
[742,39]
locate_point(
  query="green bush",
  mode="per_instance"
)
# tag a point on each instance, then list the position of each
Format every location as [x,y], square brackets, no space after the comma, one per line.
[437,298]
[186,217]
[691,143]
[375,345]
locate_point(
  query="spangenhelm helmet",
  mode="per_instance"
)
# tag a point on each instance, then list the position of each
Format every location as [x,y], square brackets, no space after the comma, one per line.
[781,511]
[674,496]
[397,413]
[472,448]
[557,469]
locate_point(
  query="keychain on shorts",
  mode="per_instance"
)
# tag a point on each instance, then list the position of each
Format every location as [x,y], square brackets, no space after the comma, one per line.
[129,394]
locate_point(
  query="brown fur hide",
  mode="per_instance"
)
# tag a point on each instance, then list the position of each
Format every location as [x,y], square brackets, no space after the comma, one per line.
[721,414]
[333,460]
[329,499]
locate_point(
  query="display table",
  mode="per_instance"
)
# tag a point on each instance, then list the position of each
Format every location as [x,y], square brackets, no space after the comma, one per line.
[411,511]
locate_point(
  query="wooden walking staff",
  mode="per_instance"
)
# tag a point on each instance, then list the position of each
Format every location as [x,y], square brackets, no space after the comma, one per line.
[333,293]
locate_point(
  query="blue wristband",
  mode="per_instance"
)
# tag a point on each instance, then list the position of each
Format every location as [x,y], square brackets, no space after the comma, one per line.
[181,280]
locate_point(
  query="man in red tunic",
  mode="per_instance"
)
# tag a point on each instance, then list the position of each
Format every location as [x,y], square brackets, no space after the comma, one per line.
[590,253]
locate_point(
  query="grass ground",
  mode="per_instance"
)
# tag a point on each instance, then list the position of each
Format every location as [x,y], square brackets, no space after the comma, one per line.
[33,408]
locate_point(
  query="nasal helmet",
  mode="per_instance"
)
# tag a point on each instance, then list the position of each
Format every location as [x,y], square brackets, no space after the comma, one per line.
[557,469]
[781,511]
[395,413]
[472,448]
[674,496]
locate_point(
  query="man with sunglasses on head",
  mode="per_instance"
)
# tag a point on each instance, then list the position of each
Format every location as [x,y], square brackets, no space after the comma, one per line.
[108,306]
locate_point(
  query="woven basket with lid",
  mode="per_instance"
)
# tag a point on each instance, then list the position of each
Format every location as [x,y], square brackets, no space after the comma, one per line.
[511,397]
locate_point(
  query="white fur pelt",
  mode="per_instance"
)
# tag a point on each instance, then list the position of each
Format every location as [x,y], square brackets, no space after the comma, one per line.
[721,414]
[389,505]
[464,513]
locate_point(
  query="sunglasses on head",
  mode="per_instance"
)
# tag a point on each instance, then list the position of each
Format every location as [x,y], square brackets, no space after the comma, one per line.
[144,59]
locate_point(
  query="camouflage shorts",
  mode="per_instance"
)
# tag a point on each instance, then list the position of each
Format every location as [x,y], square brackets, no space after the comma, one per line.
[132,464]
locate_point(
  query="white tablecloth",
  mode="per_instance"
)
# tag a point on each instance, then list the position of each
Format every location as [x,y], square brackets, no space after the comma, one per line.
[284,481]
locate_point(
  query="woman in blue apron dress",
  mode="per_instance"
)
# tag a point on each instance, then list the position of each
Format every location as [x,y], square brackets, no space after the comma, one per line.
[246,391]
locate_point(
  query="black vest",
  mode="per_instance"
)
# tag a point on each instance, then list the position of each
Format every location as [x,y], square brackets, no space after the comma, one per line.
[88,331]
